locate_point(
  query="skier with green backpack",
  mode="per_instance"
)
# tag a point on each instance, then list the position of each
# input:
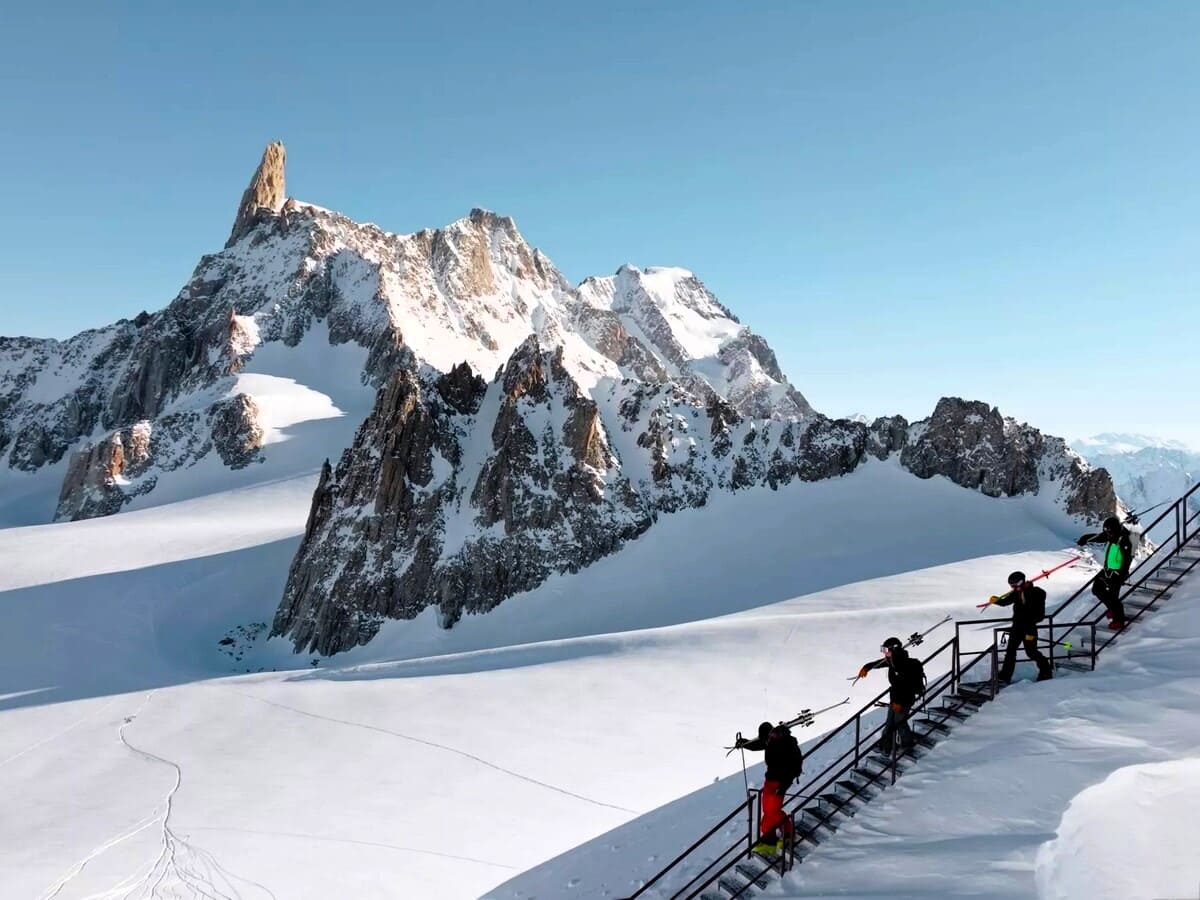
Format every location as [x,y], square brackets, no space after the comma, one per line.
[1118,556]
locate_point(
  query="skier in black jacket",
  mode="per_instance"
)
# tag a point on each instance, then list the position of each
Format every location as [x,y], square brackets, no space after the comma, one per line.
[1118,556]
[1029,607]
[785,761]
[907,678]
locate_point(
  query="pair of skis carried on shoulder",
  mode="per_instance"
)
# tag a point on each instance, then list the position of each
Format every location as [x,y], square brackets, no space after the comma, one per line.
[803,719]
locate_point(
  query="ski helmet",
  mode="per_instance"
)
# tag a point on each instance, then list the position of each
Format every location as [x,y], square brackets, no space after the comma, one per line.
[892,644]
[1016,579]
[763,730]
[1112,525]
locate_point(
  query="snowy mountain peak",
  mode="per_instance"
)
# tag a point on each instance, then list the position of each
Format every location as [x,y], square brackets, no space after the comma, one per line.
[202,377]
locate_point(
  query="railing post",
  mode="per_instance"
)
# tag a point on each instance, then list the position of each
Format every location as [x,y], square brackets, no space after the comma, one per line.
[858,737]
[954,662]
[1052,643]
[1095,650]
[995,664]
[751,815]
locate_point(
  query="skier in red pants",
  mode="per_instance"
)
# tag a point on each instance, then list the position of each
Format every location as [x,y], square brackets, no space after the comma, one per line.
[784,764]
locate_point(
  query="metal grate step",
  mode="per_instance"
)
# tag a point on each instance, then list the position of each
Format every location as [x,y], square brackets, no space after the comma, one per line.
[1075,665]
[761,874]
[861,791]
[733,885]
[812,823]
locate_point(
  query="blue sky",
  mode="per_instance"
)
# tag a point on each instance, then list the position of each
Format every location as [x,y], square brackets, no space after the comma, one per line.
[994,200]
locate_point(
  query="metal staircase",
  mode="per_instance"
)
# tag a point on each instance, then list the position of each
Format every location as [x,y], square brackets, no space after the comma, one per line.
[719,864]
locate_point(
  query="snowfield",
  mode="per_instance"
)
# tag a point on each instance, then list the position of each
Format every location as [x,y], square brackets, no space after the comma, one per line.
[561,746]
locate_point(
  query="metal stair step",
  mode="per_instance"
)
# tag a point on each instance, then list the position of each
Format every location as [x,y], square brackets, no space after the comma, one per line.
[1145,589]
[936,724]
[971,696]
[861,790]
[1075,665]
[840,802]
[813,824]
[733,885]
[926,740]
[955,712]
[760,873]
[711,895]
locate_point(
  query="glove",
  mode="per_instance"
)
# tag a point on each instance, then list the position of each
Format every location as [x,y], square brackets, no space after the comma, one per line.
[993,599]
[862,673]
[1083,540]
[897,707]
[739,743]
[1031,637]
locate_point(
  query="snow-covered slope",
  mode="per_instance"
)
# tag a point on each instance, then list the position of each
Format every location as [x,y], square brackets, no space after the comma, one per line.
[1074,788]
[355,781]
[1145,471]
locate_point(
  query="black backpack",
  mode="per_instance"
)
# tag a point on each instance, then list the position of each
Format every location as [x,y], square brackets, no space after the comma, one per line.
[787,752]
[915,675]
[1035,606]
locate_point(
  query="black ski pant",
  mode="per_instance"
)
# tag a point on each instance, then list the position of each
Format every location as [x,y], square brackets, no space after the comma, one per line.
[896,724]
[1026,636]
[1107,589]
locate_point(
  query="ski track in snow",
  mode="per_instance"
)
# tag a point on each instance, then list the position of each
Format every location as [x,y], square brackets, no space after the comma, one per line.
[448,749]
[173,852]
[338,840]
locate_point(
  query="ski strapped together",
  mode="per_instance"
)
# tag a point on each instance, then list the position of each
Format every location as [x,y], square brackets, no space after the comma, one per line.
[1045,573]
[804,719]
[914,640]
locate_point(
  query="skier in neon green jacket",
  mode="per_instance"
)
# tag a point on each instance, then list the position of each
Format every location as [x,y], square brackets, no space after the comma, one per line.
[1118,556]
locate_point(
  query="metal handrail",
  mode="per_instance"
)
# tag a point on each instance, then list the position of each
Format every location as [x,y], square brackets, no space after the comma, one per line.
[822,781]
[962,662]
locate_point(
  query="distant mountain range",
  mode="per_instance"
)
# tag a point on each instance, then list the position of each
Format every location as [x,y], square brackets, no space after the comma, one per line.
[1145,470]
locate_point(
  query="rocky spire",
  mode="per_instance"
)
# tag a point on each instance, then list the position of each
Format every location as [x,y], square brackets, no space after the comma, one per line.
[266,190]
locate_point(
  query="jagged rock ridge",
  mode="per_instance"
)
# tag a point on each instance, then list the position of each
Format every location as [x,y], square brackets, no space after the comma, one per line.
[462,505]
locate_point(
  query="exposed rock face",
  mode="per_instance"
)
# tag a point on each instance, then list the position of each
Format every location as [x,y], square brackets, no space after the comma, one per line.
[888,435]
[460,503]
[265,194]
[92,485]
[236,432]
[974,446]
[430,525]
